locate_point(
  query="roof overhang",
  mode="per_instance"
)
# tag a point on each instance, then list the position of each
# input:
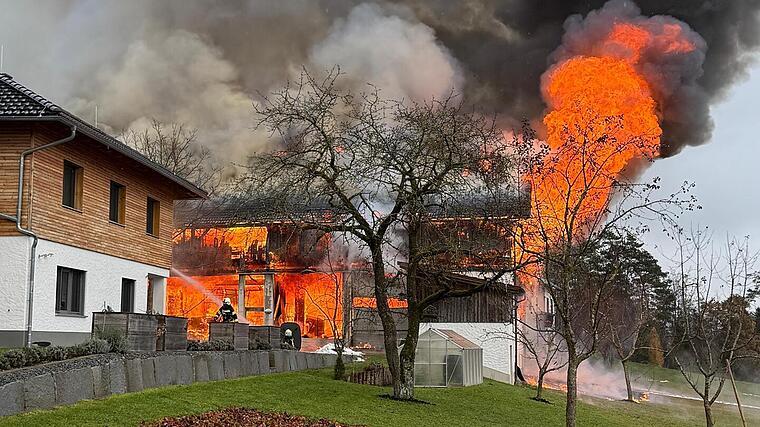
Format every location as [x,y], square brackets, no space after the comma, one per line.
[111,143]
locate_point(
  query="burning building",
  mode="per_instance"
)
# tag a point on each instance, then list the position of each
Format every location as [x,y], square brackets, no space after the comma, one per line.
[276,271]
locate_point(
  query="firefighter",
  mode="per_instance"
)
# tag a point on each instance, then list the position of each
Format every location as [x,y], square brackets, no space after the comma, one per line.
[288,339]
[226,312]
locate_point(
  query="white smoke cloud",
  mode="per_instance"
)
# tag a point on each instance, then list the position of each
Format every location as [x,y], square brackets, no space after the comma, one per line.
[391,50]
[177,78]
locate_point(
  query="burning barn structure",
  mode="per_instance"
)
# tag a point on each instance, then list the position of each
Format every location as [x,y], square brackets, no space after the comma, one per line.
[275,270]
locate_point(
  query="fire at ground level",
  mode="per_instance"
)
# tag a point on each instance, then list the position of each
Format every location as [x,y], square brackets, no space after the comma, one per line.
[313,300]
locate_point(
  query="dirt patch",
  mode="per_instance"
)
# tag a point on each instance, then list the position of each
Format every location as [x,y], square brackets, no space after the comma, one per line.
[233,417]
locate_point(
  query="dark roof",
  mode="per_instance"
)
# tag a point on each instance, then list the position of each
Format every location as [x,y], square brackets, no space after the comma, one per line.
[19,102]
[240,212]
[514,204]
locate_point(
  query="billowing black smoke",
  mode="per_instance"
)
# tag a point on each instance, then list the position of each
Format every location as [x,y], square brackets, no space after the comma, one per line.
[202,62]
[505,46]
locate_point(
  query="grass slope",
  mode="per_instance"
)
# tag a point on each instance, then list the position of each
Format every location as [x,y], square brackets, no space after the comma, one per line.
[672,380]
[314,394]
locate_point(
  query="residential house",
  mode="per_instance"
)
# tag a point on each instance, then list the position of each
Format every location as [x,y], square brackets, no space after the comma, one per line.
[93,229]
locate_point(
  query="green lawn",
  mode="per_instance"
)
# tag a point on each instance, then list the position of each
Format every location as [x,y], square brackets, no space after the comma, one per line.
[314,394]
[671,380]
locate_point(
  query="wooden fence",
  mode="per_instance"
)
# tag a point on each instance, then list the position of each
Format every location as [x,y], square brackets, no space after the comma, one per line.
[372,375]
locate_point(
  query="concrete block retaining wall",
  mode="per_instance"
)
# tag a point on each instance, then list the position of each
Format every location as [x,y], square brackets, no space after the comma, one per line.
[38,387]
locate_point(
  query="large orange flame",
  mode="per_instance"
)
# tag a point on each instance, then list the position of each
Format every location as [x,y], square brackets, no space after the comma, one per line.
[602,115]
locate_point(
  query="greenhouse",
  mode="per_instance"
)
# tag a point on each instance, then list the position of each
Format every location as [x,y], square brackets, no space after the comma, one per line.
[445,358]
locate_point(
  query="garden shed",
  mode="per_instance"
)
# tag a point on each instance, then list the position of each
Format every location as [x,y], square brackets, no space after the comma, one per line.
[445,358]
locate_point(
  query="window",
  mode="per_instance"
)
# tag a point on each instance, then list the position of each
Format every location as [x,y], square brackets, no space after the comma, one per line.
[72,185]
[127,295]
[69,296]
[117,203]
[153,217]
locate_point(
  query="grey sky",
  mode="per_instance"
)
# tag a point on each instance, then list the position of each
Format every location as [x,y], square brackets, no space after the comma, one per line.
[726,171]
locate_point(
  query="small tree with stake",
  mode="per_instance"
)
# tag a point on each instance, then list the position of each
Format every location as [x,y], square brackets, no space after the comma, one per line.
[545,348]
[716,334]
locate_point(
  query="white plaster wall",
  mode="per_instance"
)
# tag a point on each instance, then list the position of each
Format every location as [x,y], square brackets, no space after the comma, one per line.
[102,285]
[14,264]
[496,339]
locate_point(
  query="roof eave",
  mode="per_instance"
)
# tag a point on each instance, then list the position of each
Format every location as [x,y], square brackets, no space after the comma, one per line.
[194,191]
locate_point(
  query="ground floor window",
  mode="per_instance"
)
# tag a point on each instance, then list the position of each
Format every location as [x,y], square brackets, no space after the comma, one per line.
[127,295]
[69,297]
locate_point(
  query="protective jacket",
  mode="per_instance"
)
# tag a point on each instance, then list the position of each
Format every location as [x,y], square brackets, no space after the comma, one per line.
[226,313]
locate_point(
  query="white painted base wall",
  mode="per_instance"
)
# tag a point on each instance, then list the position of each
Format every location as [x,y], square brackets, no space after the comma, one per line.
[102,286]
[497,341]
[14,265]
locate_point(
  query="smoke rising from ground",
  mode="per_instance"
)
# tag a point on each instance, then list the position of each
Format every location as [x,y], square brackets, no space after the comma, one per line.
[203,62]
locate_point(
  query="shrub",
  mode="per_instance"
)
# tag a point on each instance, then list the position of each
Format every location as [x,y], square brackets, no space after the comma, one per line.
[93,346]
[116,338]
[14,358]
[212,345]
[34,355]
[258,344]
[55,353]
[221,345]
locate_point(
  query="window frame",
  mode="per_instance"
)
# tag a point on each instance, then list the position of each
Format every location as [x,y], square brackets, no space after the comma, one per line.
[76,182]
[152,217]
[76,278]
[131,291]
[117,212]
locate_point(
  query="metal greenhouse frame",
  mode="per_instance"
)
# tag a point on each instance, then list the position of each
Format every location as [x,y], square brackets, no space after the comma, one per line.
[447,359]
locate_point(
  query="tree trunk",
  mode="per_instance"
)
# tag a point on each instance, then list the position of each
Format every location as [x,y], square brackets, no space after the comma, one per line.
[572,391]
[390,335]
[627,373]
[540,385]
[408,353]
[709,422]
[339,372]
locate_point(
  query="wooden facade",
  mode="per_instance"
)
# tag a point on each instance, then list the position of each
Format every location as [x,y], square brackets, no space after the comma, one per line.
[88,228]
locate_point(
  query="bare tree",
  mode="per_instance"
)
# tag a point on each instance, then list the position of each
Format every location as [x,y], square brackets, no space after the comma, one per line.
[579,194]
[330,306]
[544,346]
[382,167]
[716,334]
[176,148]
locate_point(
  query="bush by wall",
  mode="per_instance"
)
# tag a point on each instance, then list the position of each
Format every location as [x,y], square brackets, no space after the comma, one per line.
[116,338]
[30,356]
[211,345]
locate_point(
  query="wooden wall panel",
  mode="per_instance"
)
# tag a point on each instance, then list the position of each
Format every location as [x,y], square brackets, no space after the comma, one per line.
[14,138]
[89,228]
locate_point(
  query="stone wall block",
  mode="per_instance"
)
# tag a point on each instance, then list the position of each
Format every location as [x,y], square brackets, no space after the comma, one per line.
[231,365]
[12,398]
[73,386]
[148,372]
[134,375]
[118,375]
[166,370]
[184,365]
[39,392]
[215,367]
[200,367]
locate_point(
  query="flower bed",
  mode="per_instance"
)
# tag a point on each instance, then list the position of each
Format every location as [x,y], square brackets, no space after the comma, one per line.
[244,417]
